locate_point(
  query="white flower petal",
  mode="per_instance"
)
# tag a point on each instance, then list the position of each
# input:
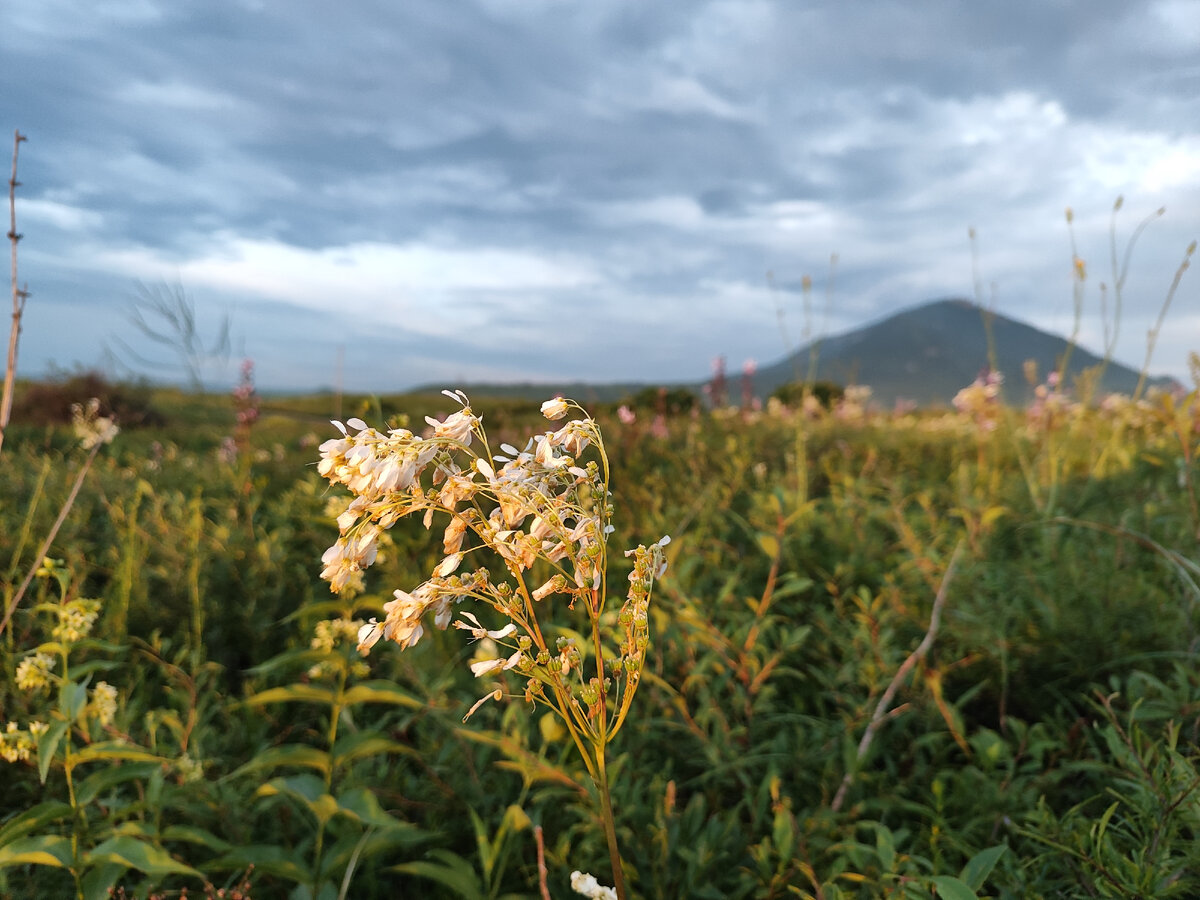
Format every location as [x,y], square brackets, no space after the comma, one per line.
[555,408]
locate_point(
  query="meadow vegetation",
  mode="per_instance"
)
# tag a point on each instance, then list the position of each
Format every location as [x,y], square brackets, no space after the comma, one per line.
[183,700]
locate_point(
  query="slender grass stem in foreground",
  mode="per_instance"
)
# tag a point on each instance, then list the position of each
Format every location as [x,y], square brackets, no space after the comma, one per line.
[545,511]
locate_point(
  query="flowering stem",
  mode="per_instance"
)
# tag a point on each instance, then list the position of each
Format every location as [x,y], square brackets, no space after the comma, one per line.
[610,828]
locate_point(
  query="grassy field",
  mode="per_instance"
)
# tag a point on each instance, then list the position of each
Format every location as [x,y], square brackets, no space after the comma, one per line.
[937,655]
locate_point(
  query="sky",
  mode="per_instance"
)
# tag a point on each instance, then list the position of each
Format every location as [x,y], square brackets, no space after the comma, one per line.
[380,194]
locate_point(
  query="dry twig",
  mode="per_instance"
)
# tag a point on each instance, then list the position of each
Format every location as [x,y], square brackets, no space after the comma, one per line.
[883,708]
[19,296]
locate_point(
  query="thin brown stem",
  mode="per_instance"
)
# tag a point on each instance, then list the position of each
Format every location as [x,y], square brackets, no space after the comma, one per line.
[1152,335]
[45,547]
[18,297]
[541,862]
[883,708]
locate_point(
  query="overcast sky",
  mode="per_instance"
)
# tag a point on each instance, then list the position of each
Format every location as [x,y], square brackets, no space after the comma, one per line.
[459,190]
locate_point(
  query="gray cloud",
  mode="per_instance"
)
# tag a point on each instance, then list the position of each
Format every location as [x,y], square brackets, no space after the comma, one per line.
[465,183]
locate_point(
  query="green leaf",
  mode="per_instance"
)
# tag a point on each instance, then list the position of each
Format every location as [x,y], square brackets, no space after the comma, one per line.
[362,846]
[98,782]
[367,743]
[43,850]
[950,888]
[1100,827]
[362,805]
[100,880]
[72,699]
[791,584]
[783,834]
[454,872]
[47,746]
[32,819]
[299,693]
[380,691]
[282,862]
[308,789]
[980,866]
[95,665]
[885,846]
[115,750]
[303,787]
[192,835]
[137,854]
[302,657]
[769,545]
[288,755]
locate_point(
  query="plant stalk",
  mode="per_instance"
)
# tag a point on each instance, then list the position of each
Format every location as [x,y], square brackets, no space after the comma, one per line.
[610,828]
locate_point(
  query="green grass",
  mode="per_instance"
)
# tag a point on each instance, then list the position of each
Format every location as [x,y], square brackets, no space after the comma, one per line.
[804,565]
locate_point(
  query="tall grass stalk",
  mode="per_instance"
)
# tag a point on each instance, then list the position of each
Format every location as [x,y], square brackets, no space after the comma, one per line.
[19,296]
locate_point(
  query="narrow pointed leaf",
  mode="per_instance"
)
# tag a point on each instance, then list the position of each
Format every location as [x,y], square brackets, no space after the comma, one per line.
[43,850]
[367,743]
[950,888]
[381,692]
[292,693]
[192,835]
[32,819]
[102,780]
[288,755]
[363,806]
[980,866]
[453,871]
[47,747]
[137,854]
[110,750]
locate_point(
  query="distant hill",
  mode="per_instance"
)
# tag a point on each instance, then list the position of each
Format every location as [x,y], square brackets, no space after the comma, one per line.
[924,354]
[927,353]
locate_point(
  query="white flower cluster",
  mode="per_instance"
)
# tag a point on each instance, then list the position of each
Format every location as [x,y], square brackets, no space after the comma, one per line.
[19,745]
[588,886]
[103,704]
[91,428]
[75,619]
[525,505]
[33,672]
[541,504]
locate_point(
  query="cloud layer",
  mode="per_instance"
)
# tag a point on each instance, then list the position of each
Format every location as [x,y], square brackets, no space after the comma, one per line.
[542,189]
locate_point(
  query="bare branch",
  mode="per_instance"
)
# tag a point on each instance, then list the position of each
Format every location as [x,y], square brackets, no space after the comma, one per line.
[883,708]
[19,296]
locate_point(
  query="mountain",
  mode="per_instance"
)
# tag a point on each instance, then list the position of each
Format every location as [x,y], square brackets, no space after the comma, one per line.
[927,353]
[924,354]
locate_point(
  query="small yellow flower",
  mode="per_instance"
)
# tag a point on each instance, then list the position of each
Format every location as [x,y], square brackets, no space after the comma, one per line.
[75,620]
[33,672]
[104,703]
